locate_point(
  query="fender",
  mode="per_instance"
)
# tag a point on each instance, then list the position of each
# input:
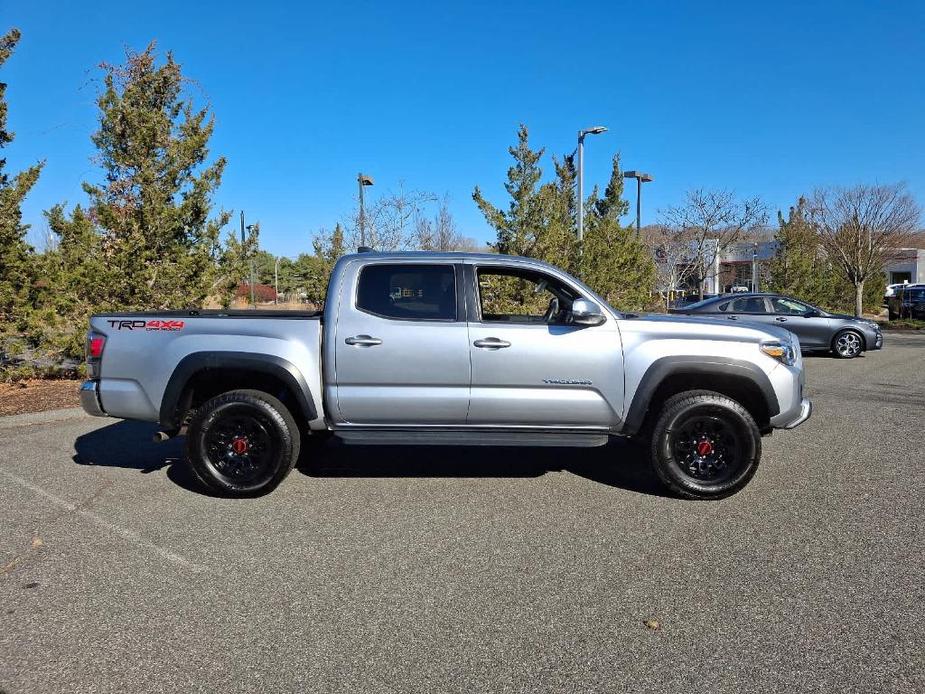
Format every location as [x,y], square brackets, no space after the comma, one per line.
[703,368]
[197,362]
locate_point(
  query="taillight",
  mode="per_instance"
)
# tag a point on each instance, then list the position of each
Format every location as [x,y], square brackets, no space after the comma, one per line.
[95,344]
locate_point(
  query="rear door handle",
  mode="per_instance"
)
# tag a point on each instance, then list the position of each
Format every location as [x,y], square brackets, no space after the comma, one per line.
[363,341]
[781,320]
[732,317]
[491,343]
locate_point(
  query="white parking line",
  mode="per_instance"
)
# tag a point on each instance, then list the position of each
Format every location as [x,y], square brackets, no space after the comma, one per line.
[124,533]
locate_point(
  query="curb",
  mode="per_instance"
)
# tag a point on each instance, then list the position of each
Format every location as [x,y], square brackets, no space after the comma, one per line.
[49,416]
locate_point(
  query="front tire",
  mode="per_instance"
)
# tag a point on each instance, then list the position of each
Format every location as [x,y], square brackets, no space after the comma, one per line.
[705,445]
[847,344]
[242,443]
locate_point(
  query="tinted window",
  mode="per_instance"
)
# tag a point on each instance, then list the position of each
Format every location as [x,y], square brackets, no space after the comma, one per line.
[788,306]
[916,294]
[697,304]
[751,304]
[408,292]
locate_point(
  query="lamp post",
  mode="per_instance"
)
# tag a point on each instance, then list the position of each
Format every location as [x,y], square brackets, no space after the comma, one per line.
[640,179]
[755,267]
[597,130]
[362,181]
[243,241]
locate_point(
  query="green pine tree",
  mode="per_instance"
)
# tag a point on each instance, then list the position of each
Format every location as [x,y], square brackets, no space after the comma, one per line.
[153,207]
[518,227]
[614,262]
[15,254]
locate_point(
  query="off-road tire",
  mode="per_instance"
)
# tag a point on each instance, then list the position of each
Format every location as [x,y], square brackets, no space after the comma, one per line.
[247,414]
[738,433]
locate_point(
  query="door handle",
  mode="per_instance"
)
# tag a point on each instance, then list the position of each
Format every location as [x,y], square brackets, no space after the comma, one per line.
[491,343]
[363,341]
[732,317]
[781,320]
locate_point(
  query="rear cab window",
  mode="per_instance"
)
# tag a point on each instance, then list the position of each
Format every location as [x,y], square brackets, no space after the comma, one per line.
[408,291]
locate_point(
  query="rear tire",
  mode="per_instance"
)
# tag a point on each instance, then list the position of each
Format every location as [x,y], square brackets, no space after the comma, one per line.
[242,443]
[847,344]
[704,445]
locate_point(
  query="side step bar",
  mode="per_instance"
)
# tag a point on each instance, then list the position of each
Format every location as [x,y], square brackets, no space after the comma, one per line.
[480,437]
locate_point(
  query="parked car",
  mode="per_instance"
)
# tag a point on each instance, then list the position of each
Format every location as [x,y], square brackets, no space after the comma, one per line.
[818,330]
[683,301]
[457,349]
[894,289]
[907,302]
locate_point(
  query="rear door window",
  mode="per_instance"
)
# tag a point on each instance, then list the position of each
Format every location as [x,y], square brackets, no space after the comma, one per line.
[747,304]
[408,292]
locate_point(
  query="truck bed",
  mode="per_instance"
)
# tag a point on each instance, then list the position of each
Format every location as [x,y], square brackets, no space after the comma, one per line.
[215,313]
[143,349]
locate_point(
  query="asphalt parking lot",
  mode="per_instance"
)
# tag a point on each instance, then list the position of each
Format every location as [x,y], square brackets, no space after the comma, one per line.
[474,570]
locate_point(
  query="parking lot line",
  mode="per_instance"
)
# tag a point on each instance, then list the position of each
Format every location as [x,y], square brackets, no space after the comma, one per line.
[125,533]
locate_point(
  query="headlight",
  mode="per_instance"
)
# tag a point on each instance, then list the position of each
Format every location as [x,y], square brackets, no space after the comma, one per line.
[782,351]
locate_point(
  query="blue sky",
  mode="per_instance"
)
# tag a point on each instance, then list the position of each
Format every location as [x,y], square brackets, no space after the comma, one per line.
[768,99]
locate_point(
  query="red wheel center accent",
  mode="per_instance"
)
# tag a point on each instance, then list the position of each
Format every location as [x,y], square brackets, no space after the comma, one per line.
[239,445]
[704,448]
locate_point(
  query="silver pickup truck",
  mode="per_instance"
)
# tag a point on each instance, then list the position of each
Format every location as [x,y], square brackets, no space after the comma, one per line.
[446,348]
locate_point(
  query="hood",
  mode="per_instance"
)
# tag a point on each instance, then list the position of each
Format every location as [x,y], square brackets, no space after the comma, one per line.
[693,325]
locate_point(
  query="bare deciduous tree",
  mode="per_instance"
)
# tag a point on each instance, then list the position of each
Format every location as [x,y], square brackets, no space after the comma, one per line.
[861,228]
[441,234]
[671,249]
[389,220]
[710,222]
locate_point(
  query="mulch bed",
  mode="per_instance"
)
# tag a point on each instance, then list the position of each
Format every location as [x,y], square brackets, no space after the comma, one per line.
[37,395]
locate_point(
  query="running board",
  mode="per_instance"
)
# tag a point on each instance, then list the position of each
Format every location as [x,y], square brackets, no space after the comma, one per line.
[480,437]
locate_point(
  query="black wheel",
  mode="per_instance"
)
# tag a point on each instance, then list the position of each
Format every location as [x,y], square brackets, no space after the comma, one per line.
[705,445]
[847,344]
[242,443]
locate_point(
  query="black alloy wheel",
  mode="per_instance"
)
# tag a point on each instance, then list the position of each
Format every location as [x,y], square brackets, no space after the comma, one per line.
[242,443]
[705,445]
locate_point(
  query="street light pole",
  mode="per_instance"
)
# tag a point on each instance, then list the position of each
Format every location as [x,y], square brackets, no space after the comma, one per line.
[640,179]
[253,299]
[597,130]
[362,181]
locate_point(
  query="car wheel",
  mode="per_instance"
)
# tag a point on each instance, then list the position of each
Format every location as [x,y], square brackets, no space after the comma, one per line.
[705,445]
[242,443]
[847,344]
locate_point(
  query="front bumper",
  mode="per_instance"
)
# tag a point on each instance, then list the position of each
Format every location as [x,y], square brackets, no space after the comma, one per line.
[90,399]
[806,411]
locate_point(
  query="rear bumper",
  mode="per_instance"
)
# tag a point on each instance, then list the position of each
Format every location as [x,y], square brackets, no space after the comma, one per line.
[90,398]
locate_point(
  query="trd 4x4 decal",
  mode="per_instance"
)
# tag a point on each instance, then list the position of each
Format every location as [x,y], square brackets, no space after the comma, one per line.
[156,325]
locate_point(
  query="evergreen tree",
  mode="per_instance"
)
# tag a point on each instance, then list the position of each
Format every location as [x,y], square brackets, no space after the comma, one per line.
[153,207]
[518,226]
[15,253]
[799,267]
[542,222]
[614,262]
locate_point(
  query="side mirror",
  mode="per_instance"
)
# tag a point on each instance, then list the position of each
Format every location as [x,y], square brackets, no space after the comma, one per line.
[585,312]
[812,313]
